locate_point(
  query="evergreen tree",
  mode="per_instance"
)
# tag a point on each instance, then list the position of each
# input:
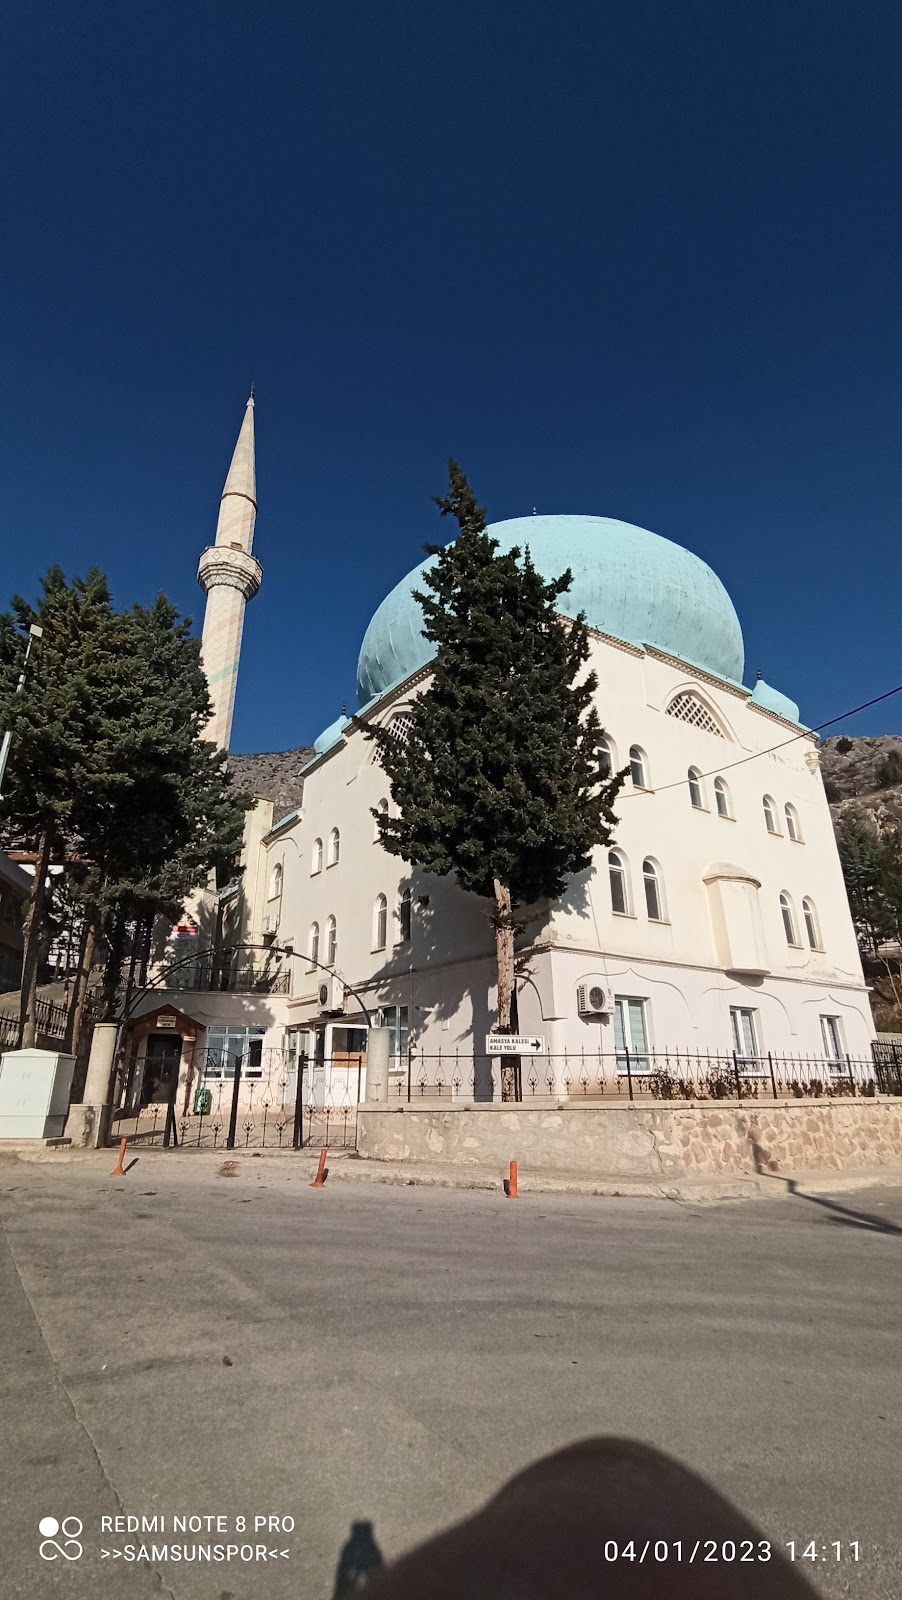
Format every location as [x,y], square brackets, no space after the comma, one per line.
[124,786]
[501,781]
[872,870]
[55,726]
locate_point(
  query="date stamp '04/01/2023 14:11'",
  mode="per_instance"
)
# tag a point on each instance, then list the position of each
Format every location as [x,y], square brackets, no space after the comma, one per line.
[730,1550]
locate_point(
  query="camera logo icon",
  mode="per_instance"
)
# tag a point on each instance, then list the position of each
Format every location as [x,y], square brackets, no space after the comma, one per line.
[70,1549]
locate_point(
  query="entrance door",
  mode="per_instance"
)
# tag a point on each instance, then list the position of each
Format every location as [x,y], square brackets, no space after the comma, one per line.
[161,1063]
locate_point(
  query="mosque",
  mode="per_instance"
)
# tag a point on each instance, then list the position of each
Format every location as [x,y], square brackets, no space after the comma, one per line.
[716,923]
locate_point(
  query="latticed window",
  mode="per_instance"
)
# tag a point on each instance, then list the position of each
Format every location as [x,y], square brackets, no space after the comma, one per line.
[689,708]
[401,726]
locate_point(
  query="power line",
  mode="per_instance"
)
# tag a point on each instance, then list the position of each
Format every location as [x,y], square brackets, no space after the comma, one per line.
[678,784]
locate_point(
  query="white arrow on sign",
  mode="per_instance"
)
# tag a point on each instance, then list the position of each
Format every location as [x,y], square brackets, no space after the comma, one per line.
[514,1044]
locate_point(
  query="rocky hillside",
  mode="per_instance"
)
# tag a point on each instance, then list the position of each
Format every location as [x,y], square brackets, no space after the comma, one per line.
[274,776]
[863,778]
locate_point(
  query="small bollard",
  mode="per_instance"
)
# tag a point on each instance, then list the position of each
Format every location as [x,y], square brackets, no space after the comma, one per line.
[320,1178]
[510,1184]
[119,1170]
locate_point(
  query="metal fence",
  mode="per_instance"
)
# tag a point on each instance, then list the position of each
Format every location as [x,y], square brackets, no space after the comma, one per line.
[287,1103]
[651,1075]
[888,1065]
[51,1018]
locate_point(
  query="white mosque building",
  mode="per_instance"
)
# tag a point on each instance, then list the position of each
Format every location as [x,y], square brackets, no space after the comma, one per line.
[716,924]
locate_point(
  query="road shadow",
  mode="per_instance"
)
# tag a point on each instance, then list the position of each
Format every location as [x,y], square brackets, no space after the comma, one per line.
[842,1216]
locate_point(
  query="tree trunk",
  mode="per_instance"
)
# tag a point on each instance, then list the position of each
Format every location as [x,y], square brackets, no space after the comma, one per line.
[504,957]
[80,992]
[31,934]
[146,940]
[113,969]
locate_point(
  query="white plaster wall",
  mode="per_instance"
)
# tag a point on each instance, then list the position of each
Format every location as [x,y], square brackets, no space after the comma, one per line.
[445,974]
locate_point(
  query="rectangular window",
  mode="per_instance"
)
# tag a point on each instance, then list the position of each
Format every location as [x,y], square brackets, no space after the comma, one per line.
[745,1035]
[396,1019]
[226,1046]
[831,1032]
[630,1033]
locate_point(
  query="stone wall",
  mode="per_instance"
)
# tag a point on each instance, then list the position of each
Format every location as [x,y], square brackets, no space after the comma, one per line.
[641,1141]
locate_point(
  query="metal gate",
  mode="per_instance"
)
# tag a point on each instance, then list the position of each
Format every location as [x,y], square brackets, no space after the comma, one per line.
[286,1104]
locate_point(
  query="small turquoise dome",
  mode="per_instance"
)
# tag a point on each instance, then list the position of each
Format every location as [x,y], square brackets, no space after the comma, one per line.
[772,700]
[629,582]
[330,736]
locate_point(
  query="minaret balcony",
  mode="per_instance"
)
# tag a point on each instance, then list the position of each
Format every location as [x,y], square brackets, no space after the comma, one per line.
[222,567]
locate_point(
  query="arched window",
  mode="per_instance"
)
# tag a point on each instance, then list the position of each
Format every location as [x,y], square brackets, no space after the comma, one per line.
[722,797]
[638,767]
[654,890]
[770,815]
[313,942]
[275,881]
[382,811]
[793,826]
[380,923]
[812,927]
[696,789]
[789,919]
[404,914]
[619,876]
[605,756]
[316,859]
[331,942]
[334,847]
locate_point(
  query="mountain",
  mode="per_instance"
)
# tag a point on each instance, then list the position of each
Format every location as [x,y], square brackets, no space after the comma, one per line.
[274,776]
[863,779]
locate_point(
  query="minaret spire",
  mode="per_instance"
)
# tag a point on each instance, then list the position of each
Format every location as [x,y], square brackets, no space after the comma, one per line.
[230,576]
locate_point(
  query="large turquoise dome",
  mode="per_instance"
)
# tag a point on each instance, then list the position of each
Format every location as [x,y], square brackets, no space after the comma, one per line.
[629,582]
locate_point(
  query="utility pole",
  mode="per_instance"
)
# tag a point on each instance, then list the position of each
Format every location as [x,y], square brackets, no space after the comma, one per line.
[34,633]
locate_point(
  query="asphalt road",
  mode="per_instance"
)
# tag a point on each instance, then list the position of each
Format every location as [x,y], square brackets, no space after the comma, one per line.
[177,1343]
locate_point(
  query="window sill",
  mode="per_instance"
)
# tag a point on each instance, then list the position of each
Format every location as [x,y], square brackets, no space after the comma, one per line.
[331,864]
[722,816]
[378,950]
[797,841]
[659,922]
[630,916]
[316,872]
[705,810]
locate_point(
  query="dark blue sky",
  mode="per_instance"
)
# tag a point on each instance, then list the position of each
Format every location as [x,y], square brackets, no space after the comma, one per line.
[633,260]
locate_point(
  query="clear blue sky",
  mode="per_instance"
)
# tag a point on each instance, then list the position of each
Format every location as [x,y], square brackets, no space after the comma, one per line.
[634,260]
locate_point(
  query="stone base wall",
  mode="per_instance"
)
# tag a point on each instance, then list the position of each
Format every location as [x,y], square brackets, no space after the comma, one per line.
[641,1141]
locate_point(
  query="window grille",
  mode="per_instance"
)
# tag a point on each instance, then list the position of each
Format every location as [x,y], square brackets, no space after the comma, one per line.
[401,726]
[689,708]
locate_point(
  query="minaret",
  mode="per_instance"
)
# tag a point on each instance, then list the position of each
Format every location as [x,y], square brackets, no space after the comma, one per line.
[229,577]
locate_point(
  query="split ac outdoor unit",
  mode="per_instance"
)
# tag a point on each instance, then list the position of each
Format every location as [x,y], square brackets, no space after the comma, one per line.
[594,1001]
[331,993]
[269,926]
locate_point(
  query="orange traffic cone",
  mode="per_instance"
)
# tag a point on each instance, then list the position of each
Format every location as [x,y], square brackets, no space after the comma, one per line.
[510,1187]
[119,1170]
[320,1178]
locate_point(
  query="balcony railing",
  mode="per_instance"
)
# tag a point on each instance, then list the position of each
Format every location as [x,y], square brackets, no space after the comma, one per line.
[219,974]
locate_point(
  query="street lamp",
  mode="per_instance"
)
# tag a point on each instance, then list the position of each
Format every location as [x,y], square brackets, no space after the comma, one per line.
[34,633]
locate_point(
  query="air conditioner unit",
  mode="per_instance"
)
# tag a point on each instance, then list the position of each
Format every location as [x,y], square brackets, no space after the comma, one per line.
[331,993]
[269,926]
[592,1000]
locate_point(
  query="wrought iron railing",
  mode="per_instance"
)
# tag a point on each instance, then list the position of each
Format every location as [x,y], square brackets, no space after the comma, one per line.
[221,975]
[51,1018]
[647,1075]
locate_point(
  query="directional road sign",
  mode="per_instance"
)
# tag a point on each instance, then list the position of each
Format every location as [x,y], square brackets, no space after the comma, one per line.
[514,1044]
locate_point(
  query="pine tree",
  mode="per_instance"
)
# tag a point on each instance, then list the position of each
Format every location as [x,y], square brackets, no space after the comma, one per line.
[108,769]
[55,726]
[501,781]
